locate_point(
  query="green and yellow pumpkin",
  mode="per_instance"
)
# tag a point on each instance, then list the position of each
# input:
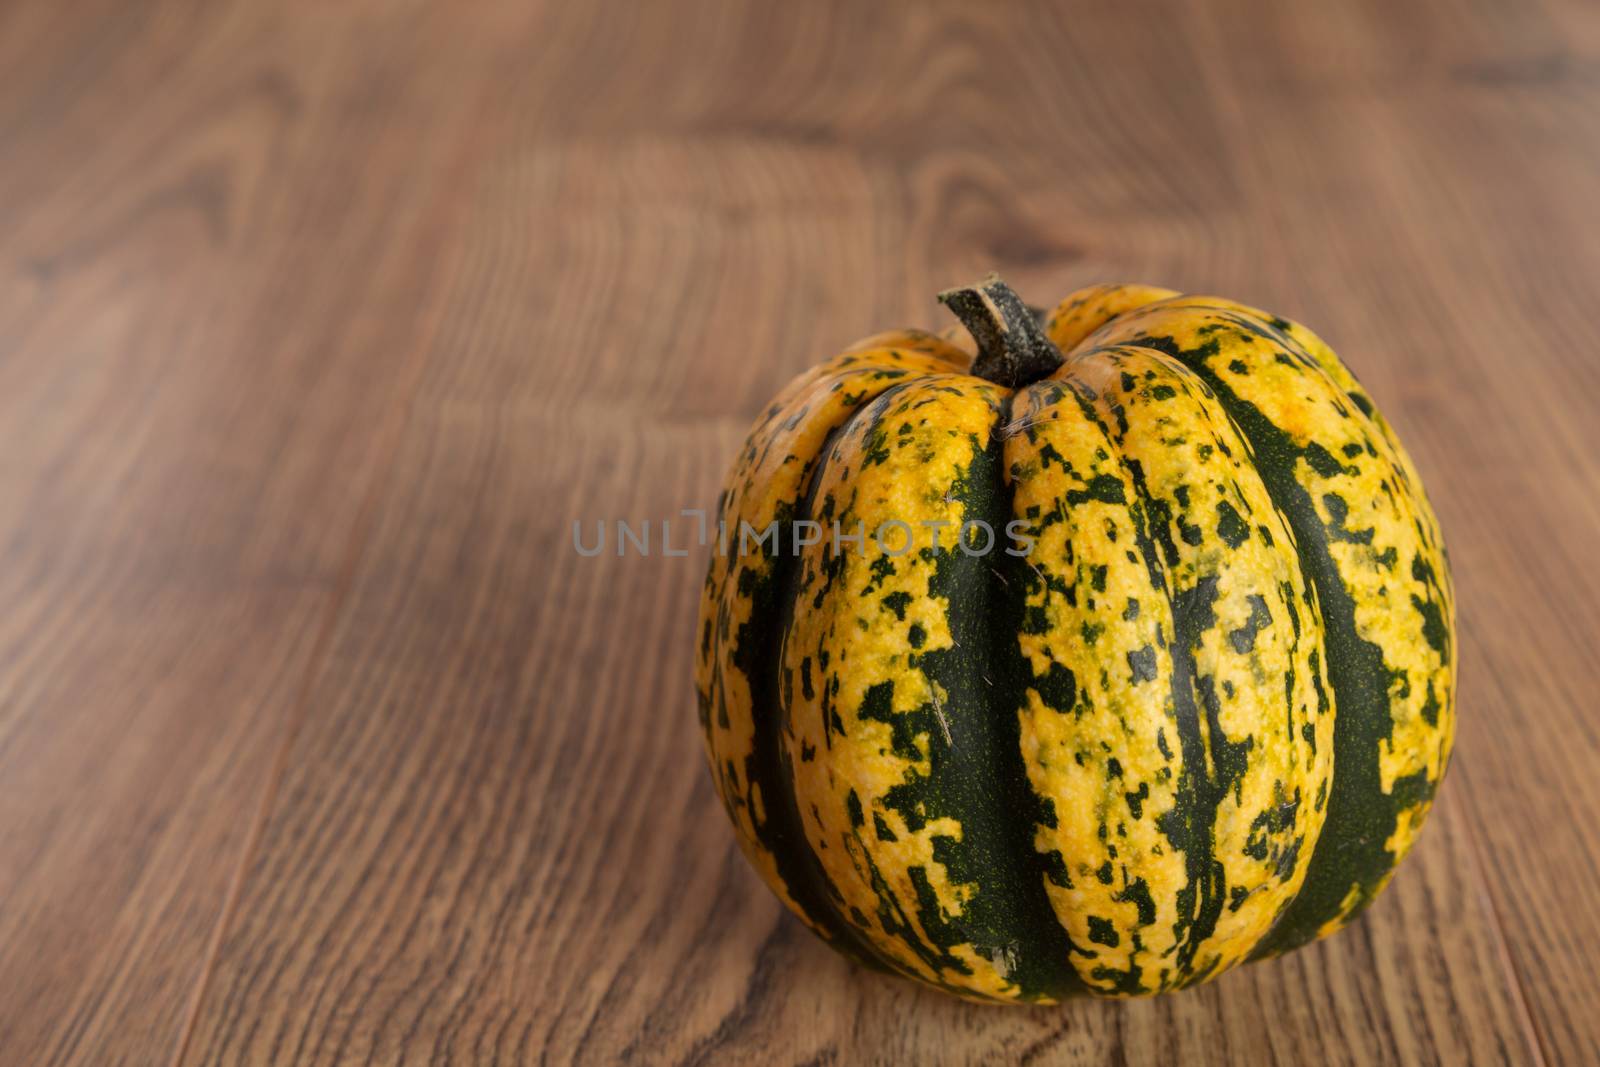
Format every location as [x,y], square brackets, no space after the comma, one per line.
[1188,708]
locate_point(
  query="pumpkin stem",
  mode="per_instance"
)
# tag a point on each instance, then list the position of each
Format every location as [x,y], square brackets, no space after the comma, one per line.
[1012,347]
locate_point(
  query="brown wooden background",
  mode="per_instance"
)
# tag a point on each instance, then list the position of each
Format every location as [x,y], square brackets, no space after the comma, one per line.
[321,322]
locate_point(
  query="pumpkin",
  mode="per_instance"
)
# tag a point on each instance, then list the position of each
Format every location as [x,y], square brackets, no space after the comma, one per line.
[1187,708]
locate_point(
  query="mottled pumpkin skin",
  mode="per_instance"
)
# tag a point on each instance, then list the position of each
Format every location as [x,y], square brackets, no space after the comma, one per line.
[1198,723]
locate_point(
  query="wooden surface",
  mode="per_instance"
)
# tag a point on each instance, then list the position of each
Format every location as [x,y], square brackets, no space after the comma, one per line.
[321,323]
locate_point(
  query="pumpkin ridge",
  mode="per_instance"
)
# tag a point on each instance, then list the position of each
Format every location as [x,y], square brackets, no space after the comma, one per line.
[1353,833]
[1030,933]
[893,830]
[755,654]
[811,885]
[1351,862]
[1201,898]
[1249,746]
[1092,734]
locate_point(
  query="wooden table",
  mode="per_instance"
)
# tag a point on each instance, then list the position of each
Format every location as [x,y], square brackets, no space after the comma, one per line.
[321,323]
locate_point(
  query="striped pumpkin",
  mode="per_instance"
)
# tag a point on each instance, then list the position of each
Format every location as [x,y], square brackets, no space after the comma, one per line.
[1189,710]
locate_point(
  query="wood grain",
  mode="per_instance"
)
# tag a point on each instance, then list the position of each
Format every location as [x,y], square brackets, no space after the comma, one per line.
[319,325]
